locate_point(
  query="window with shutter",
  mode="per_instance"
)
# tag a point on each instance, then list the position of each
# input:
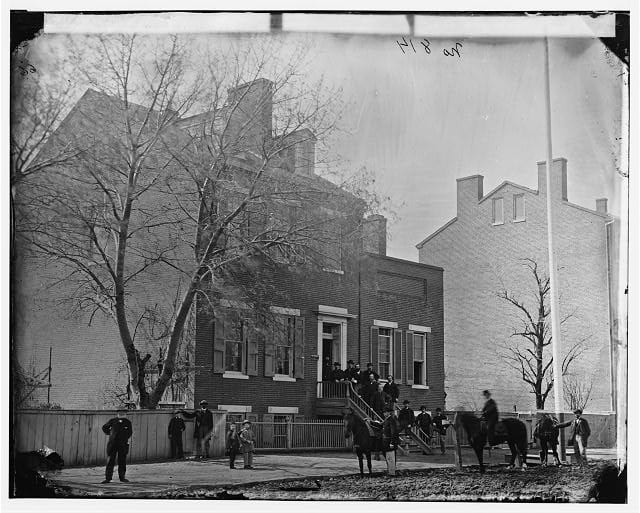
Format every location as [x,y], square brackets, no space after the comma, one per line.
[218,344]
[409,356]
[397,355]
[419,359]
[269,350]
[385,352]
[251,342]
[373,346]
[298,348]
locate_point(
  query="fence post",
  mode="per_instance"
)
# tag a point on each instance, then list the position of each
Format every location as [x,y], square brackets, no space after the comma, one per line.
[457,452]
[289,433]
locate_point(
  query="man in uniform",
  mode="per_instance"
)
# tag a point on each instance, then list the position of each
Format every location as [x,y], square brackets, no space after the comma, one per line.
[202,430]
[119,431]
[490,416]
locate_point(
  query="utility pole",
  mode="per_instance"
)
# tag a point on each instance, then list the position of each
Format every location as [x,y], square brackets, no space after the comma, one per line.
[553,278]
[49,384]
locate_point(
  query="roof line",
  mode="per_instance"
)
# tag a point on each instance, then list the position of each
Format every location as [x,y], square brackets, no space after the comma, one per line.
[507,182]
[423,242]
[404,261]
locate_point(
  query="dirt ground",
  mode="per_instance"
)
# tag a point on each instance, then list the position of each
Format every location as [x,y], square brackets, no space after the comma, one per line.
[536,484]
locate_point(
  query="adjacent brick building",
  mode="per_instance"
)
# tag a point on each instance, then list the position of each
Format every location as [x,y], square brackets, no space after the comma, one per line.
[482,251]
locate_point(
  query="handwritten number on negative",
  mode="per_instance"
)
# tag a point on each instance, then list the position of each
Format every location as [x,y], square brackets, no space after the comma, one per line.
[455,51]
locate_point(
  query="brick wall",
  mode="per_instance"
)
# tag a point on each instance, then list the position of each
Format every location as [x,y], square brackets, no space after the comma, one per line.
[480,259]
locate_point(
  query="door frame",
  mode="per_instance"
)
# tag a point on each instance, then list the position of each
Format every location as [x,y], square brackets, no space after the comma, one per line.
[342,322]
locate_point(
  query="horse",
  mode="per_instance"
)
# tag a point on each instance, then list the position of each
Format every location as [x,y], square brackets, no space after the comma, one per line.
[511,431]
[547,432]
[364,441]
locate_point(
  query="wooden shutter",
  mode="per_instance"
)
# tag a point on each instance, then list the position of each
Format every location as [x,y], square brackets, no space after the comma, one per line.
[426,358]
[397,355]
[373,347]
[218,343]
[251,343]
[298,349]
[270,349]
[409,338]
[267,430]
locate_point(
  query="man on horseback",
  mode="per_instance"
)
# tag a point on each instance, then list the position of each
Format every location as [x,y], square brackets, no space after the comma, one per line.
[489,417]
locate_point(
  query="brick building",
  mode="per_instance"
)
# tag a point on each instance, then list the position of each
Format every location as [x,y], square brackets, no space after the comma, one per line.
[482,251]
[360,305]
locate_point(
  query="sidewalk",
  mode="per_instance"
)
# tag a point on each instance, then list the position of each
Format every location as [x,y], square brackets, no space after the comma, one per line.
[155,479]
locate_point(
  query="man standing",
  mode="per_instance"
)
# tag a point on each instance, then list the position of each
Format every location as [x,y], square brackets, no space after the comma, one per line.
[390,439]
[441,429]
[247,441]
[202,430]
[351,374]
[490,416]
[336,375]
[391,388]
[423,421]
[406,417]
[580,432]
[368,372]
[176,427]
[119,430]
[233,444]
[369,390]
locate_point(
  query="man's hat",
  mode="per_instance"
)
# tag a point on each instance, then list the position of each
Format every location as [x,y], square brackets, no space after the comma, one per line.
[577,411]
[336,363]
[246,422]
[406,401]
[423,407]
[388,409]
[369,364]
[486,392]
[203,403]
[350,362]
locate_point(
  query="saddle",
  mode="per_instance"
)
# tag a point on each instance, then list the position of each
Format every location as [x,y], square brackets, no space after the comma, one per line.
[374,427]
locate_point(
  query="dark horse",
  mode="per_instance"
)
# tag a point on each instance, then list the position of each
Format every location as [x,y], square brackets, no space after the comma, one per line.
[511,431]
[547,432]
[364,441]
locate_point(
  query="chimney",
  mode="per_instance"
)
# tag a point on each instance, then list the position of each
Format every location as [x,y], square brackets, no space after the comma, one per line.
[558,178]
[469,192]
[250,109]
[300,151]
[601,205]
[375,235]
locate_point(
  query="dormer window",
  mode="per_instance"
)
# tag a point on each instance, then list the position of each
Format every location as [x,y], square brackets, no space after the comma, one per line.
[498,211]
[518,208]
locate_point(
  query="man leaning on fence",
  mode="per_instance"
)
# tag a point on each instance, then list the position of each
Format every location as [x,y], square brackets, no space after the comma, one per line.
[119,430]
[203,428]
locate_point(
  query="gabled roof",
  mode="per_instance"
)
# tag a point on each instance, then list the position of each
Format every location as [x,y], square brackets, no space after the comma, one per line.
[446,225]
[506,182]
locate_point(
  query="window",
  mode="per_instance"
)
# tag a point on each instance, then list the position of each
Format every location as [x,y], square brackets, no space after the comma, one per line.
[518,207]
[498,213]
[419,359]
[234,347]
[384,352]
[284,349]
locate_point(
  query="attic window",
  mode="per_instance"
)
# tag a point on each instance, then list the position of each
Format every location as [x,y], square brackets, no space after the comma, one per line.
[498,211]
[518,208]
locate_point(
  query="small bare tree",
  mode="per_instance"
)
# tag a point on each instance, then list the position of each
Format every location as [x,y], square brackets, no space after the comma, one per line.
[577,391]
[525,351]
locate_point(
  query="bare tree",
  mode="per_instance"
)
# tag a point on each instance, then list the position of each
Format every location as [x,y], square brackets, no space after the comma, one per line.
[161,198]
[525,352]
[577,391]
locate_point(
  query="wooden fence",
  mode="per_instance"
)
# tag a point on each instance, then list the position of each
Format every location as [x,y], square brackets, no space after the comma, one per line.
[77,434]
[307,434]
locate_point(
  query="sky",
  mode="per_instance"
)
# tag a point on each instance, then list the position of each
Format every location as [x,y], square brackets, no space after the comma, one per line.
[418,120]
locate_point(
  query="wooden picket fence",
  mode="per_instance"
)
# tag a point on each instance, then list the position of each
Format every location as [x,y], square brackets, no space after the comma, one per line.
[301,434]
[77,434]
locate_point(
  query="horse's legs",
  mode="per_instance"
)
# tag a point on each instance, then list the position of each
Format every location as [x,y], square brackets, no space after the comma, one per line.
[359,453]
[514,454]
[369,462]
[554,449]
[543,452]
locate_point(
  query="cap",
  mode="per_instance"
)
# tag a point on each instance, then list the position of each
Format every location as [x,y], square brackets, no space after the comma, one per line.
[203,402]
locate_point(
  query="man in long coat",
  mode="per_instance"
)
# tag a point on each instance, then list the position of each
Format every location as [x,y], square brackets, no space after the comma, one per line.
[203,428]
[176,427]
[390,439]
[580,433]
[119,430]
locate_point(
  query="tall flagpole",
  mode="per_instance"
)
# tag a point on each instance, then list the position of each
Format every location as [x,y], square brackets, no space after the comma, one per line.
[553,279]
